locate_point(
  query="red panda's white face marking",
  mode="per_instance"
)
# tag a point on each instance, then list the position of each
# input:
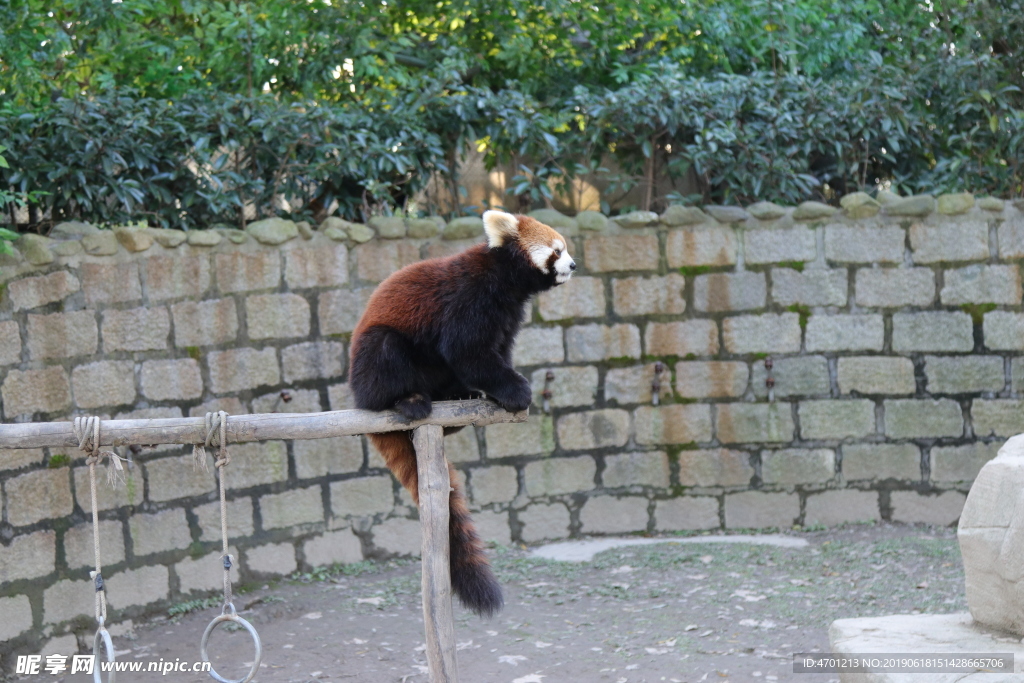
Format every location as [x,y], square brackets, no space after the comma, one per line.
[545,247]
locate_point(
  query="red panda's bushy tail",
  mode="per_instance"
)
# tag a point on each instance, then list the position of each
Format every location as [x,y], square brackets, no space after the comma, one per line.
[472,578]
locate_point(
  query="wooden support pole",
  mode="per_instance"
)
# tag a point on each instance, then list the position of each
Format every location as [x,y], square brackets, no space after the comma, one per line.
[434,489]
[243,428]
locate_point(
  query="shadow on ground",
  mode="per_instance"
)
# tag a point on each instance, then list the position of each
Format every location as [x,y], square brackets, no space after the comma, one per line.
[668,612]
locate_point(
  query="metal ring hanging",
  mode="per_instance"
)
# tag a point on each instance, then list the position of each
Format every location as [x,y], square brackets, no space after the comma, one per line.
[102,638]
[228,614]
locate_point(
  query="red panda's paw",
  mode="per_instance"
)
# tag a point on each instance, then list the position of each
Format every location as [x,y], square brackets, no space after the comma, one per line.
[414,407]
[518,397]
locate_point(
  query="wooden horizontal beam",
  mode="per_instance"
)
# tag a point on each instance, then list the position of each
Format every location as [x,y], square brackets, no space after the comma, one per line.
[262,427]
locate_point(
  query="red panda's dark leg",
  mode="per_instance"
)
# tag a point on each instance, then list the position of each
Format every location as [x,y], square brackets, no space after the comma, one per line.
[385,375]
[494,375]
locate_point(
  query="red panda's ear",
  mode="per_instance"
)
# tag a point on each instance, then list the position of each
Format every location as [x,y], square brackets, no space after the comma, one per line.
[500,227]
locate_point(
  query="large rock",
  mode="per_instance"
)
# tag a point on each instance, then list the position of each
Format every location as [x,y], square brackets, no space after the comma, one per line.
[636,219]
[991,536]
[953,204]
[360,233]
[388,227]
[677,215]
[917,205]
[591,220]
[36,249]
[991,204]
[134,239]
[423,228]
[73,230]
[766,211]
[727,214]
[859,205]
[102,243]
[168,238]
[812,211]
[273,231]
[463,228]
[554,219]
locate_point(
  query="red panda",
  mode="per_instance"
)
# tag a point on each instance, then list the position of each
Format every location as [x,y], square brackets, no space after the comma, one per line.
[443,329]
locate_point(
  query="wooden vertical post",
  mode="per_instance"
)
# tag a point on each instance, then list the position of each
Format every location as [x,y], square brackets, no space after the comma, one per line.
[434,489]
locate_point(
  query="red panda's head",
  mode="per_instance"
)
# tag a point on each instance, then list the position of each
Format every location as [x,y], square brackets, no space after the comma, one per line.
[546,249]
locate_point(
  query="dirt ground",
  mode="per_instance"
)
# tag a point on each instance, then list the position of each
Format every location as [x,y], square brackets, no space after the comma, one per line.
[668,612]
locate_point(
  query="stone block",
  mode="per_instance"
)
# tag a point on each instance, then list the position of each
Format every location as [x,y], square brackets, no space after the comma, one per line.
[104,383]
[313,360]
[10,342]
[277,316]
[291,508]
[982,284]
[273,231]
[714,468]
[205,238]
[895,287]
[601,342]
[204,573]
[17,458]
[340,310]
[388,227]
[686,514]
[362,497]
[493,527]
[862,244]
[107,498]
[727,214]
[571,386]
[35,391]
[176,276]
[767,333]
[538,345]
[832,508]
[554,476]
[953,204]
[17,617]
[580,297]
[241,271]
[754,422]
[377,260]
[636,469]
[204,323]
[323,265]
[812,211]
[462,446]
[535,437]
[634,384]
[845,333]
[932,331]
[816,287]
[497,484]
[399,536]
[320,457]
[964,374]
[241,369]
[950,241]
[138,329]
[33,292]
[696,337]
[633,219]
[798,376]
[711,379]
[1011,238]
[703,246]
[170,380]
[759,510]
[778,245]
[880,461]
[742,291]
[156,533]
[66,600]
[876,375]
[62,335]
[30,556]
[542,522]
[837,420]
[673,424]
[621,252]
[1003,331]
[177,477]
[914,205]
[961,464]
[795,466]
[999,417]
[339,397]
[252,464]
[466,227]
[240,520]
[333,547]
[766,211]
[38,495]
[110,283]
[941,510]
[649,295]
[274,558]
[593,429]
[923,419]
[299,401]
[606,515]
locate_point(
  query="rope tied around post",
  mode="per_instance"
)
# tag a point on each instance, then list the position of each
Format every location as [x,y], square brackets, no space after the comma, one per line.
[217,437]
[87,432]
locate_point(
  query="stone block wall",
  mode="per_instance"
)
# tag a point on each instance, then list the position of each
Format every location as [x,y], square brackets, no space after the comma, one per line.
[894,334]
